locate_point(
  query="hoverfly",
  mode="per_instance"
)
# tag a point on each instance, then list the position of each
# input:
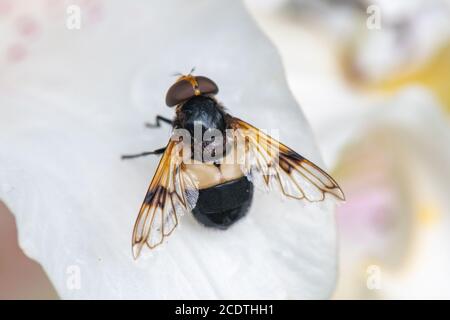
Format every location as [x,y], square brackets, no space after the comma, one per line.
[217,193]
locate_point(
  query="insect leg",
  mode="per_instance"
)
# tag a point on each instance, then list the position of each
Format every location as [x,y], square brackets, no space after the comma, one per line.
[143,154]
[159,119]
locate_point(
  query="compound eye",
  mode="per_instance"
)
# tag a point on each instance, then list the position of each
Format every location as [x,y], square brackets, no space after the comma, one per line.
[206,85]
[183,90]
[180,91]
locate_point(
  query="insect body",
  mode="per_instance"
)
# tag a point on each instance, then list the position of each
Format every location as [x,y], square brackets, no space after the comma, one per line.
[224,194]
[210,166]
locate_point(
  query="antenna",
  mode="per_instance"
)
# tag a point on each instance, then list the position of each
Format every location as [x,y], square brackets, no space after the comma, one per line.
[179,74]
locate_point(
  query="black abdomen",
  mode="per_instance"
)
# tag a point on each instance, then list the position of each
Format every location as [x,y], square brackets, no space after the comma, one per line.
[222,205]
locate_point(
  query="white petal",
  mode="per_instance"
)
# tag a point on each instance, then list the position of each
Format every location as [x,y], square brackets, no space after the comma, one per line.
[79,101]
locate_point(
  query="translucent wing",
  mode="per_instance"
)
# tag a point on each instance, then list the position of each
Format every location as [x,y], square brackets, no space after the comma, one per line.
[171,193]
[269,163]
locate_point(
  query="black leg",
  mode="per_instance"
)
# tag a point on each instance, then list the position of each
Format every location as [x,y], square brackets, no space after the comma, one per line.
[159,119]
[143,154]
